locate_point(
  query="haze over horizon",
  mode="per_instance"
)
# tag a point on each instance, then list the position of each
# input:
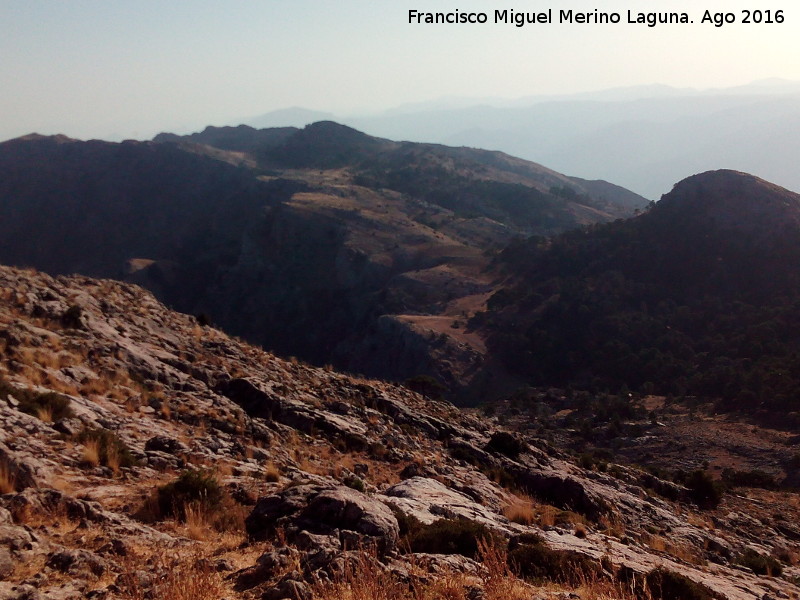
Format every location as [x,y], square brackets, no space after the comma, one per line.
[113,70]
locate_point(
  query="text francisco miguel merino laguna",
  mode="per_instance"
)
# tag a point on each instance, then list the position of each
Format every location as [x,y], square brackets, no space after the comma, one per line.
[519,18]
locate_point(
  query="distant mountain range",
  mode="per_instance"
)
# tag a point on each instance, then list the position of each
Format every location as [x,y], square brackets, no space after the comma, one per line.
[644,138]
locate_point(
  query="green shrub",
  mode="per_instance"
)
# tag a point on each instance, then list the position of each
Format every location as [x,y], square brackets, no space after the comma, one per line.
[355,482]
[428,386]
[462,453]
[71,319]
[197,487]
[111,449]
[449,536]
[531,559]
[760,564]
[408,524]
[703,490]
[755,478]
[504,443]
[668,585]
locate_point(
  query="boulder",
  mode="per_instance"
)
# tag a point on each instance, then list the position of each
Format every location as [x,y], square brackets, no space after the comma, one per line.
[77,562]
[349,509]
[325,510]
[6,563]
[429,500]
[163,443]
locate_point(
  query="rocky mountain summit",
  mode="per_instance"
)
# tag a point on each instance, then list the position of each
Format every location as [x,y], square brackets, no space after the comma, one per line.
[145,455]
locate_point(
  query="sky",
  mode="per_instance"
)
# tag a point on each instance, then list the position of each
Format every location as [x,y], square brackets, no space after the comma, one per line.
[114,69]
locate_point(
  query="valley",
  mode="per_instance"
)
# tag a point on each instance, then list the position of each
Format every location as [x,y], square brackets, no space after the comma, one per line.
[625,375]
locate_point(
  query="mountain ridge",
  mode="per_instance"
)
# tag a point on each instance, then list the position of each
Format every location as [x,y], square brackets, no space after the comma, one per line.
[693,297]
[323,243]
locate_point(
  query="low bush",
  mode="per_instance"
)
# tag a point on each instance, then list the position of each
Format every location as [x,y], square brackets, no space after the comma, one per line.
[755,479]
[449,536]
[71,319]
[760,564]
[506,444]
[668,585]
[111,450]
[703,490]
[531,559]
[56,406]
[355,482]
[197,487]
[428,386]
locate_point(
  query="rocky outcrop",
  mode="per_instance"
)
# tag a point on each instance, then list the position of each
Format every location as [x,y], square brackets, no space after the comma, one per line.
[324,469]
[352,518]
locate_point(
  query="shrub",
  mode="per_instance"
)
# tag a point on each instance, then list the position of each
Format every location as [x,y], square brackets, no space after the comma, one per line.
[71,319]
[428,386]
[531,559]
[449,536]
[755,478]
[355,482]
[463,453]
[703,490]
[55,406]
[504,443]
[272,473]
[196,487]
[668,585]
[111,450]
[408,524]
[760,564]
[8,478]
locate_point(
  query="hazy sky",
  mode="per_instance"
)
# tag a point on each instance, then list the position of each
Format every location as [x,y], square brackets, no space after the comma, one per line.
[113,69]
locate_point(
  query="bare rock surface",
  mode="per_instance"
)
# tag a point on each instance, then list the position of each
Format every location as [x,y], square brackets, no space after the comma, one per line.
[307,467]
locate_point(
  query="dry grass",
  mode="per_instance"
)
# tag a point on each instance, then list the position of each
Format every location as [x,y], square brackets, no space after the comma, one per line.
[25,569]
[521,510]
[56,384]
[112,458]
[271,472]
[8,479]
[54,518]
[37,356]
[198,522]
[110,384]
[188,577]
[701,521]
[604,589]
[363,578]
[90,455]
[547,515]
[499,583]
[683,552]
[612,525]
[44,413]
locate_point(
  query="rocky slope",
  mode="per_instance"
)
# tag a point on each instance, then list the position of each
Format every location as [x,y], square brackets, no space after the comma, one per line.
[142,454]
